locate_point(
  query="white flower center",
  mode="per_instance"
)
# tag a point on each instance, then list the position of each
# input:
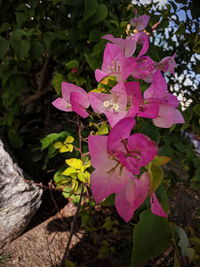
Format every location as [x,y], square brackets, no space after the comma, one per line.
[106,104]
[110,105]
[115,107]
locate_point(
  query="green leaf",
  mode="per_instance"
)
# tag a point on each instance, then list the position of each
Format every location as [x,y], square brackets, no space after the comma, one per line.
[95,35]
[151,237]
[36,49]
[93,62]
[21,48]
[51,138]
[72,64]
[4,46]
[156,177]
[183,241]
[57,81]
[48,38]
[152,132]
[103,129]
[90,8]
[21,17]
[109,201]
[101,13]
[160,160]
[196,109]
[71,2]
[4,27]
[17,34]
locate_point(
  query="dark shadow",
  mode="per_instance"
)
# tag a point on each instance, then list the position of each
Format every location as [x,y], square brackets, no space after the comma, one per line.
[61,225]
[52,202]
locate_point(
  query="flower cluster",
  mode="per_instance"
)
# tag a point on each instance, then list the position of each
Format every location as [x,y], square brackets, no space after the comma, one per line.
[119,157]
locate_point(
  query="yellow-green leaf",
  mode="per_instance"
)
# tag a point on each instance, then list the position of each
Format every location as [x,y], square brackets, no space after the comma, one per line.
[75,163]
[156,176]
[103,129]
[58,145]
[70,147]
[160,160]
[82,177]
[69,139]
[69,171]
[74,185]
[64,149]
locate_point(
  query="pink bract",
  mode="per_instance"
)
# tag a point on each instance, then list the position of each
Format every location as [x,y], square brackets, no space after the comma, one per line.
[132,196]
[140,23]
[113,105]
[115,64]
[133,151]
[109,176]
[74,98]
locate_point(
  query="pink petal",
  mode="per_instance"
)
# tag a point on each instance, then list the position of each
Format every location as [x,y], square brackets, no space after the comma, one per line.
[99,75]
[119,132]
[149,110]
[97,99]
[158,88]
[143,39]
[156,208]
[104,183]
[79,102]
[68,88]
[141,151]
[168,115]
[100,159]
[62,104]
[132,196]
[140,23]
[115,117]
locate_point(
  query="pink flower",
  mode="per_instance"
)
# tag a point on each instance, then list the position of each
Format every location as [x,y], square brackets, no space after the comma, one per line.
[132,151]
[168,116]
[144,68]
[115,64]
[132,196]
[140,23]
[113,105]
[128,45]
[109,175]
[167,64]
[74,98]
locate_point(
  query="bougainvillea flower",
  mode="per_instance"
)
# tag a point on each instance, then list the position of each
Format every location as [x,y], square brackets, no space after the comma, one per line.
[158,88]
[113,105]
[132,196]
[74,98]
[109,175]
[167,64]
[139,106]
[132,151]
[168,116]
[128,45]
[142,39]
[140,23]
[144,68]
[115,64]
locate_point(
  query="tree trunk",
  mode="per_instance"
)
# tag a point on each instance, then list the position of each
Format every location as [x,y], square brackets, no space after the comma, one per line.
[19,200]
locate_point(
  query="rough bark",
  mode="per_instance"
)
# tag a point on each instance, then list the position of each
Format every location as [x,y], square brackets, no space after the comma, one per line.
[19,200]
